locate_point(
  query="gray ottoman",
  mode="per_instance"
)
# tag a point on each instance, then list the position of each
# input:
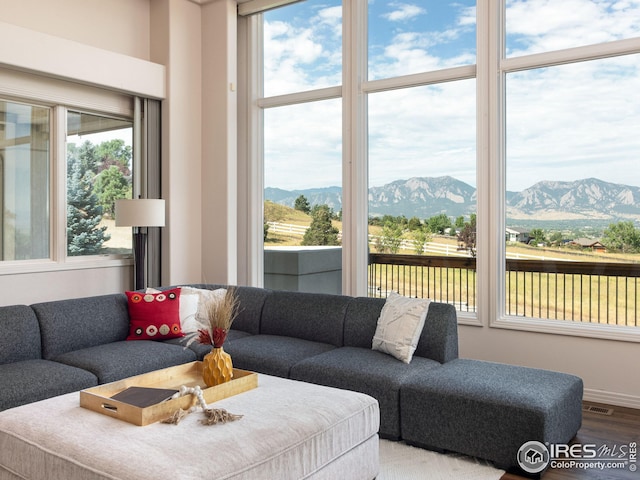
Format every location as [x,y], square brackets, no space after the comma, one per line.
[489,410]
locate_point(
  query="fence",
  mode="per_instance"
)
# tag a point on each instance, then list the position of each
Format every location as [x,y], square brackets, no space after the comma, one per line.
[592,292]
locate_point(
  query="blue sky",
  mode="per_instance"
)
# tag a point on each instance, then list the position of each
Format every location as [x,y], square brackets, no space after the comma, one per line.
[565,123]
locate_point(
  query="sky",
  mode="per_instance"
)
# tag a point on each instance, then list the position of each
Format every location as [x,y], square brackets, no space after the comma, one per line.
[563,123]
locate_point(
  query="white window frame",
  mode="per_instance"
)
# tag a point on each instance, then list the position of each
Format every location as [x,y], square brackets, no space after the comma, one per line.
[62,96]
[489,72]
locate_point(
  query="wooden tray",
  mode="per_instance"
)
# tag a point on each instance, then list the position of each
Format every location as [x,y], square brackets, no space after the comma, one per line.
[99,398]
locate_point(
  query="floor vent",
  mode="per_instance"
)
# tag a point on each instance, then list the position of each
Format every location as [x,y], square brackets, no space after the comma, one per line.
[598,410]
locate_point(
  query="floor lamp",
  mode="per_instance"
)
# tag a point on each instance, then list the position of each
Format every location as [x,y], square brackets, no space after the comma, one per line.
[139,213]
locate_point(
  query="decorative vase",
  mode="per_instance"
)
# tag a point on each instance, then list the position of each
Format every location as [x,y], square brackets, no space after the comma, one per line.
[217,367]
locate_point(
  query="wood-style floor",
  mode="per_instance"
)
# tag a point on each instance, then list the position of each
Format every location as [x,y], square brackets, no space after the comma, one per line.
[620,428]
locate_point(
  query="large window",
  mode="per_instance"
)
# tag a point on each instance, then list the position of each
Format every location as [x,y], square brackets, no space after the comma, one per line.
[303,148]
[572,188]
[497,142]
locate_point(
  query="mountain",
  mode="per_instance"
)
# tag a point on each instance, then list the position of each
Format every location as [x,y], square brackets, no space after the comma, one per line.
[588,198]
[425,197]
[331,196]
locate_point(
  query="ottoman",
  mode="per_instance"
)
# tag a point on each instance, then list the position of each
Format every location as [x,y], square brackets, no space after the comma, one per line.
[489,410]
[289,431]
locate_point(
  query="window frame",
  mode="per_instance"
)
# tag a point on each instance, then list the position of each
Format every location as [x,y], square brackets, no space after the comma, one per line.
[490,71]
[61,96]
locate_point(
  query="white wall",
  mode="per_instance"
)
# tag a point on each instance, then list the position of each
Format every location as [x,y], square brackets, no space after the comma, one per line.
[176,43]
[607,367]
[117,25]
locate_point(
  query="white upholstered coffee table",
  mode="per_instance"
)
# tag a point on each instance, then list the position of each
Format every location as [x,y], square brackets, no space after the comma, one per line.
[290,430]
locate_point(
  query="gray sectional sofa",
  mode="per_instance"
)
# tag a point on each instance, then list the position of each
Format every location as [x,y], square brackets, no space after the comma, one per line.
[436,401]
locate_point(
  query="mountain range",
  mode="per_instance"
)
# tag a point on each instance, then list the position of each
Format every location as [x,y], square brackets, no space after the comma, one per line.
[425,197]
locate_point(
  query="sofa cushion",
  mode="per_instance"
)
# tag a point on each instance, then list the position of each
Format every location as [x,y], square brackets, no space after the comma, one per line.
[361,321]
[366,371]
[20,338]
[154,316]
[33,380]
[439,337]
[272,354]
[123,359]
[68,325]
[400,325]
[438,340]
[315,317]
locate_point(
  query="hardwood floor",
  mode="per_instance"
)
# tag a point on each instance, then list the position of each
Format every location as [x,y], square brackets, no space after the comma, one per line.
[622,427]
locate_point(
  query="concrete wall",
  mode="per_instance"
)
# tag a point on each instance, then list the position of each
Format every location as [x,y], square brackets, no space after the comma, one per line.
[304,269]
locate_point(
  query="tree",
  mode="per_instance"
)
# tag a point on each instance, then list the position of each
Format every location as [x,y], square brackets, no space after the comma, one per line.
[537,236]
[623,237]
[109,186]
[420,237]
[302,204]
[414,223]
[114,152]
[467,235]
[321,231]
[555,238]
[439,223]
[391,238]
[84,214]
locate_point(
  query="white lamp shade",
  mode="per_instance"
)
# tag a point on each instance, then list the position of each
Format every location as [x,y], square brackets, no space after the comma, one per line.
[140,212]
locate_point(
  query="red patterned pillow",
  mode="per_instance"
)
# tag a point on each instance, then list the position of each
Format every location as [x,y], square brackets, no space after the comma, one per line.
[154,316]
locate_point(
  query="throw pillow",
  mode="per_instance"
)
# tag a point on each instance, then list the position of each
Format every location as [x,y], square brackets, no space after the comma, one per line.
[154,316]
[399,326]
[202,295]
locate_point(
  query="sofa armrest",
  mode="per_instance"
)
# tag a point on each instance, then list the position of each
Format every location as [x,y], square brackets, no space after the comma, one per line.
[439,338]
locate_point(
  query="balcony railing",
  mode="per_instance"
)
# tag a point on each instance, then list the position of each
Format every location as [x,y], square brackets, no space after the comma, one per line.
[594,292]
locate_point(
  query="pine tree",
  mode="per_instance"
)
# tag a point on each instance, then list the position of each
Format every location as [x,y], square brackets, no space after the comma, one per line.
[84,235]
[321,231]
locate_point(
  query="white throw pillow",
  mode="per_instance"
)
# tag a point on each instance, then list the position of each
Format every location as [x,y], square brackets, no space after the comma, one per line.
[400,325]
[201,295]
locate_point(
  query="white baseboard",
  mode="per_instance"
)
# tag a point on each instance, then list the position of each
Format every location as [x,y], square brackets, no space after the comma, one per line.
[611,398]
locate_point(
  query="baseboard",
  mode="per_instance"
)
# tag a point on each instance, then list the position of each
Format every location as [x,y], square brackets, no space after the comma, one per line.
[611,398]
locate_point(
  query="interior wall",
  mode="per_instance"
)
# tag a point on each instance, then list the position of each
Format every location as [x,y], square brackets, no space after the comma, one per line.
[219,146]
[607,367]
[118,25]
[176,43]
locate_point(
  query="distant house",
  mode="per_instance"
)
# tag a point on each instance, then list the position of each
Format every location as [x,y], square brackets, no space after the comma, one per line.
[517,235]
[589,243]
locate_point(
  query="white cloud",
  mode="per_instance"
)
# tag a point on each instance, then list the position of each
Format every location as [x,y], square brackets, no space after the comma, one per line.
[403,12]
[546,25]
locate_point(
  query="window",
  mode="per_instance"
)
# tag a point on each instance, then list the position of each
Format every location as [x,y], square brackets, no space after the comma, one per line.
[64,159]
[303,166]
[24,181]
[571,188]
[99,171]
[495,148]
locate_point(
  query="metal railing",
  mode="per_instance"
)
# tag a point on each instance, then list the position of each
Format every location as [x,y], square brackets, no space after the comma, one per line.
[594,292]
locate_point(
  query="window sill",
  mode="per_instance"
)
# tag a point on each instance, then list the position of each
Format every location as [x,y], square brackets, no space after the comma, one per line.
[43,266]
[567,327]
